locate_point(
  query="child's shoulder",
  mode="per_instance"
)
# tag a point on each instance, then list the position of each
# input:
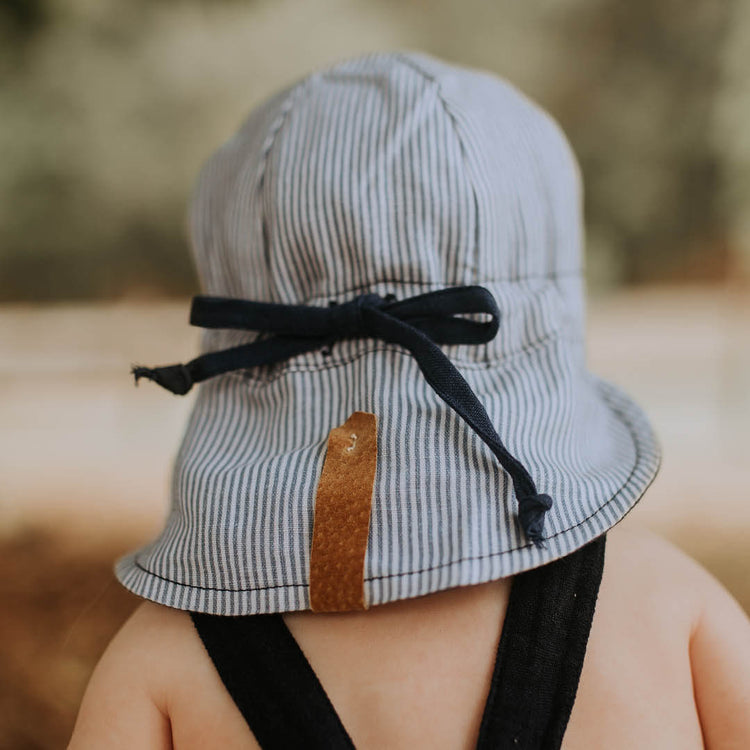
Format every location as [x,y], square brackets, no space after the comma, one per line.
[669,653]
[155,687]
[641,567]
[648,578]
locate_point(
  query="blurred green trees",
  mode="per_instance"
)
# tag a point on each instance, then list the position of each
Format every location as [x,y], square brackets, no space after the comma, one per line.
[108,107]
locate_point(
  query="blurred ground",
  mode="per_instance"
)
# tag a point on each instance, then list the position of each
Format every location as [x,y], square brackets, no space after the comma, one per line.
[85,459]
[60,607]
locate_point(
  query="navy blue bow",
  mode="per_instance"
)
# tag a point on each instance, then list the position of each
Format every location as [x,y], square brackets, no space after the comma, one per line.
[418,324]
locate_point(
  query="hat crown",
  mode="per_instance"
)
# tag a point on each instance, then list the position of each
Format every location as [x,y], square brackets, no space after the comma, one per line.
[388,169]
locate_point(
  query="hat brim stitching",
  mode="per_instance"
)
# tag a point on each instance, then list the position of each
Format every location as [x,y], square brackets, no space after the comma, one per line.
[639,456]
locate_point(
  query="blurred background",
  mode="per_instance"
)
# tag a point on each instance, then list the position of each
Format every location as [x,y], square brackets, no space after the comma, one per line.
[108,108]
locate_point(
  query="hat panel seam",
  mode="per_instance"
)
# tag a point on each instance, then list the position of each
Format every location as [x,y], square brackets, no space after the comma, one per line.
[452,116]
[214,262]
[270,140]
[639,455]
[550,276]
[458,113]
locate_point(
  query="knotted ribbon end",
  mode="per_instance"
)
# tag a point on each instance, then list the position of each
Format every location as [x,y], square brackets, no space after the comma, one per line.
[174,378]
[531,512]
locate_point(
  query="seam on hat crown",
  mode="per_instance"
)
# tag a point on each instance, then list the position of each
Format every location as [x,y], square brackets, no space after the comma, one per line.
[251,211]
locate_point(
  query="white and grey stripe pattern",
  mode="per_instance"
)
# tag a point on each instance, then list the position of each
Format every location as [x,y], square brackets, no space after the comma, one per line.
[392,173]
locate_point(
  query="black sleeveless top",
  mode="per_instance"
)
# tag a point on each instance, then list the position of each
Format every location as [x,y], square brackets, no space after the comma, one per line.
[534,683]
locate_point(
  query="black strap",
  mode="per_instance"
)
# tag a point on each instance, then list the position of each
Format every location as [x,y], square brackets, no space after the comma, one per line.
[417,323]
[272,683]
[541,652]
[534,683]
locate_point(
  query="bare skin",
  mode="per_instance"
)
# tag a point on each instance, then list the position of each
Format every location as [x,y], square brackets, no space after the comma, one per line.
[667,666]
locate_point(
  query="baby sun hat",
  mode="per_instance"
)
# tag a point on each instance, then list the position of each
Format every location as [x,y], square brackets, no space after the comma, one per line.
[393,392]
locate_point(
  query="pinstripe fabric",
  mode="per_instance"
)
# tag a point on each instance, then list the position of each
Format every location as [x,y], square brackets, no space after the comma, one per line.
[392,173]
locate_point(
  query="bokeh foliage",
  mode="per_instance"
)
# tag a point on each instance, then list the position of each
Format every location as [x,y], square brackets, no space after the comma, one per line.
[108,107]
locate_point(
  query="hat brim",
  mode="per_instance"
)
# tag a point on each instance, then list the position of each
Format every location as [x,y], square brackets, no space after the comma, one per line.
[237,539]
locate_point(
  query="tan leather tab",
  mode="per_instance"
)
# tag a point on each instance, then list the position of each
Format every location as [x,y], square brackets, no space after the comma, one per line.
[342,516]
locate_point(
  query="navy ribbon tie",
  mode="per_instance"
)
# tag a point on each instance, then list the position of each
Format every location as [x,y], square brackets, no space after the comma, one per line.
[417,323]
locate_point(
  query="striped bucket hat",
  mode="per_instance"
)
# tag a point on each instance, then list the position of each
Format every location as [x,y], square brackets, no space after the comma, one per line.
[393,392]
